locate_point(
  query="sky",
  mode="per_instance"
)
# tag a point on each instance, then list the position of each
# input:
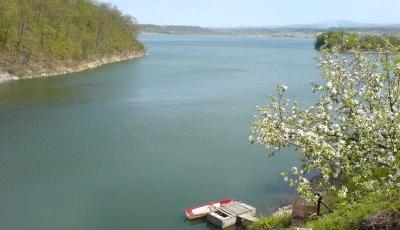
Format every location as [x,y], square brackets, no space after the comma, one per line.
[233,13]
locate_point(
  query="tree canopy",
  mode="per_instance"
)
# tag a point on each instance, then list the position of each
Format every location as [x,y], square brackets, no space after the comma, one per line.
[39,32]
[352,41]
[351,135]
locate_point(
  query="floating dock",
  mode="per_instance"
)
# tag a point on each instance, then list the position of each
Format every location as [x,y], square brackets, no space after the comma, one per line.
[230,214]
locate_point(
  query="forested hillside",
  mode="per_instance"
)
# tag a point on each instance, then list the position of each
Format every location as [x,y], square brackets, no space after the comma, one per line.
[37,34]
[351,41]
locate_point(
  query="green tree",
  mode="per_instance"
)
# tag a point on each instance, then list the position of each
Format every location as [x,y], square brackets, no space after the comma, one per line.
[350,41]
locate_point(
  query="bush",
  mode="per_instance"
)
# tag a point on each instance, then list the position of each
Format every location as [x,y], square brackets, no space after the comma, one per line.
[22,72]
[386,219]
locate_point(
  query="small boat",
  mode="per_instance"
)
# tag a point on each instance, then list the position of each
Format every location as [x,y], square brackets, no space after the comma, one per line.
[203,210]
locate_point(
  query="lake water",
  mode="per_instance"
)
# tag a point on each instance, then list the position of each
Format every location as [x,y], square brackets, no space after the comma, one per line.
[130,145]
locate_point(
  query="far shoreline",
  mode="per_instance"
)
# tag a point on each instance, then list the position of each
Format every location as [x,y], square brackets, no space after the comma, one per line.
[234,35]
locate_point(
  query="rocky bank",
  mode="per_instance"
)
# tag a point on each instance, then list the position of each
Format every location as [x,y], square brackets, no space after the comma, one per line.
[69,67]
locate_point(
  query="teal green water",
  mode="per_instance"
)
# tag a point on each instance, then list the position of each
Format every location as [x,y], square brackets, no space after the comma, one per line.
[130,145]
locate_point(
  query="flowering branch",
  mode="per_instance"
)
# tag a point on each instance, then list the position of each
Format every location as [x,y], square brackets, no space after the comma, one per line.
[352,130]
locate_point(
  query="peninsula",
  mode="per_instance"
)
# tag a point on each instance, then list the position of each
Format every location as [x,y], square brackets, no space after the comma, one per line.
[345,41]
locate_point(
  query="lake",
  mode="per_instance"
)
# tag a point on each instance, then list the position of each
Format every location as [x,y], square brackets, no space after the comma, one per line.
[130,145]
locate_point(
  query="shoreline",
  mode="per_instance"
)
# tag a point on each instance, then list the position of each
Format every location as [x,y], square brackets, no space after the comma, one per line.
[68,68]
[272,35]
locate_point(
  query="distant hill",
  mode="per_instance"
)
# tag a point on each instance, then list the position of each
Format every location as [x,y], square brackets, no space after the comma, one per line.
[170,29]
[301,30]
[335,24]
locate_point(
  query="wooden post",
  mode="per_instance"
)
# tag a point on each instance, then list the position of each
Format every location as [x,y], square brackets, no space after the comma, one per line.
[319,204]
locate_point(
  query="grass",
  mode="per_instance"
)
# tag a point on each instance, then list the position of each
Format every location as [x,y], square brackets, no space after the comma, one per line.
[375,211]
[355,215]
[273,222]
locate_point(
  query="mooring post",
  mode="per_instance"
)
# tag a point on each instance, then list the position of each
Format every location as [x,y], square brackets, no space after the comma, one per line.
[319,203]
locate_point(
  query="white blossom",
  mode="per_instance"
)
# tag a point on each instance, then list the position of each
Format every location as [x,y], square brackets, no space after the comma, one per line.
[351,132]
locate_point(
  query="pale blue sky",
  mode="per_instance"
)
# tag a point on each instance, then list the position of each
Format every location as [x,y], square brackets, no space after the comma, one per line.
[228,13]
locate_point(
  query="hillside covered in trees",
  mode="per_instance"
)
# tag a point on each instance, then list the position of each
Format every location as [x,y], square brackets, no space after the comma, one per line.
[350,41]
[38,35]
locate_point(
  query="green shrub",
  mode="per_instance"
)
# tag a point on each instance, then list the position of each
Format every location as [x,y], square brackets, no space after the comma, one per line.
[22,72]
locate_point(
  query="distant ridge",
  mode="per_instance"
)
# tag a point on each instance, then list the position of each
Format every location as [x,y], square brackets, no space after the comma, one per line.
[300,30]
[172,29]
[341,24]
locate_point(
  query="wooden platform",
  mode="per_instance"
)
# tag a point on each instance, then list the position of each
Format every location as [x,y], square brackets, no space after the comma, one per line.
[248,218]
[231,214]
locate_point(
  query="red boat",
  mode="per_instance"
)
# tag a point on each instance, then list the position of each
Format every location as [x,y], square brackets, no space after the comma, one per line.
[203,210]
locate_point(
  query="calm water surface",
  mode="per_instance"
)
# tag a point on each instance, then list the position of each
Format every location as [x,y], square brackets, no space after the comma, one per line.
[130,145]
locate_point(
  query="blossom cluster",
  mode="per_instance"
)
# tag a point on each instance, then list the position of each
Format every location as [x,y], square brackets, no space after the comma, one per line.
[351,134]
